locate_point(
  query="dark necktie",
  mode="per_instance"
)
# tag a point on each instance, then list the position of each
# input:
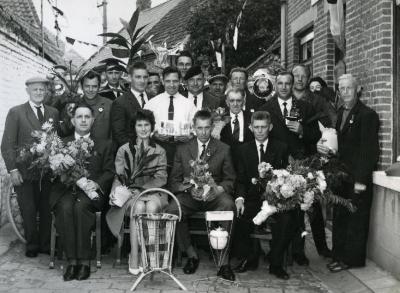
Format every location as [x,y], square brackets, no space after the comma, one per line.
[195,100]
[39,114]
[261,152]
[285,111]
[143,101]
[171,108]
[344,117]
[203,152]
[236,128]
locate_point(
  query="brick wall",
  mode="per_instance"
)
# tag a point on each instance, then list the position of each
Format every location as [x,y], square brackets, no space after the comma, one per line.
[369,56]
[295,9]
[19,61]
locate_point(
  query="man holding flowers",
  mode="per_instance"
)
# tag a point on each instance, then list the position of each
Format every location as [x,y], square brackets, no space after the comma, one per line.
[32,193]
[75,203]
[192,197]
[255,159]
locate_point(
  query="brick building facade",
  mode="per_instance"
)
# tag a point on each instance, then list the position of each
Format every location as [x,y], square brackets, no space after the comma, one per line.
[370,43]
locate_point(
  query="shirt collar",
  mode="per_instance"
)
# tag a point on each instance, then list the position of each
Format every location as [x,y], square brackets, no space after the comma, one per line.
[200,144]
[77,136]
[33,105]
[265,143]
[240,114]
[288,101]
[137,94]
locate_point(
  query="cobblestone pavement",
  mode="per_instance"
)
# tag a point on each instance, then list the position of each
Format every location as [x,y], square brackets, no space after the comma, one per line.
[20,274]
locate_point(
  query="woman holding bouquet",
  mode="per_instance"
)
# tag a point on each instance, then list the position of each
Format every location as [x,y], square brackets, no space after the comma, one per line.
[140,164]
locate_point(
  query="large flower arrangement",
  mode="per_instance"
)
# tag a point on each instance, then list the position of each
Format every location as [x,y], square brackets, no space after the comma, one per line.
[49,156]
[299,186]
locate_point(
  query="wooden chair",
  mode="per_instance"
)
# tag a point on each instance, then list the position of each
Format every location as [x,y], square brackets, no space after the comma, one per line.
[95,234]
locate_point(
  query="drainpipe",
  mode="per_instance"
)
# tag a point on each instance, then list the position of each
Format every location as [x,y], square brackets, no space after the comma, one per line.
[283,32]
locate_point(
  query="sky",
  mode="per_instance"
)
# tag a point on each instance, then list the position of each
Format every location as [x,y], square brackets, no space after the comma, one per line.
[83,20]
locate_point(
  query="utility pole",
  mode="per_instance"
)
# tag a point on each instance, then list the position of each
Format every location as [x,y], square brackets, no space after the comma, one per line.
[104,5]
[41,27]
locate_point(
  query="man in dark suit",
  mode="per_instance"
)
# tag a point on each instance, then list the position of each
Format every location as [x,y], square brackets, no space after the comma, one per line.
[292,125]
[124,107]
[101,106]
[74,209]
[218,157]
[195,85]
[301,91]
[237,131]
[358,143]
[217,87]
[32,196]
[114,69]
[238,79]
[249,197]
[184,62]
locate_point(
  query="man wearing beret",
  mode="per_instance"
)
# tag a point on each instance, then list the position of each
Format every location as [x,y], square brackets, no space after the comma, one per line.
[217,86]
[195,84]
[32,195]
[114,70]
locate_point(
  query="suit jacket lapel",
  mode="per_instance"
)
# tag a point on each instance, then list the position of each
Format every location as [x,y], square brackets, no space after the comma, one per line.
[132,100]
[350,117]
[269,154]
[193,149]
[277,110]
[32,117]
[211,149]
[253,154]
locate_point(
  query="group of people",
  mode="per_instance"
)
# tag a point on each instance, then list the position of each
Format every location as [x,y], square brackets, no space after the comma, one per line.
[122,122]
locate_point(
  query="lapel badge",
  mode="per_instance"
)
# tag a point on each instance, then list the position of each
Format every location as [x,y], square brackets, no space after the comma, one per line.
[51,120]
[101,109]
[352,119]
[252,110]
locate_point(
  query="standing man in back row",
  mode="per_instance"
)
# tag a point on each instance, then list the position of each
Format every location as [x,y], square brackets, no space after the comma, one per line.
[125,106]
[173,113]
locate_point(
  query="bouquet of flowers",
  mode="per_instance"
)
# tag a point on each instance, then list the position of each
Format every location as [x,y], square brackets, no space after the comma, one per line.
[298,186]
[124,192]
[46,143]
[70,165]
[201,180]
[221,118]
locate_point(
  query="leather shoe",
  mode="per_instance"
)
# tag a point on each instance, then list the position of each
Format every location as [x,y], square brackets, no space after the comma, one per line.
[225,272]
[246,265]
[339,267]
[332,264]
[191,265]
[83,272]
[31,253]
[70,273]
[279,272]
[301,260]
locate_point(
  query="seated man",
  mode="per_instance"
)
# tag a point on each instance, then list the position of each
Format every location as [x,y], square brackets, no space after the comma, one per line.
[249,200]
[74,210]
[217,155]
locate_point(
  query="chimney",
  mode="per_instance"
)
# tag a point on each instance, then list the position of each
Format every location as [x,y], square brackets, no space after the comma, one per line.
[143,4]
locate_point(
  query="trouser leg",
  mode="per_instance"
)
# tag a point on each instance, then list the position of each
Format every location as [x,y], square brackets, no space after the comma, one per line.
[318,227]
[43,193]
[65,224]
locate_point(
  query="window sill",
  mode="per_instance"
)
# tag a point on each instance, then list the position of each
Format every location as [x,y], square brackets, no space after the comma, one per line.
[389,182]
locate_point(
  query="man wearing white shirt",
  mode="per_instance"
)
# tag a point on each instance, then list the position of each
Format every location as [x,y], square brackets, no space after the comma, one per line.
[195,85]
[249,197]
[124,107]
[32,195]
[173,113]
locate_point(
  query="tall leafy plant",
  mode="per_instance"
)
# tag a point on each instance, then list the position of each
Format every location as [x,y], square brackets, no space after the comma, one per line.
[127,47]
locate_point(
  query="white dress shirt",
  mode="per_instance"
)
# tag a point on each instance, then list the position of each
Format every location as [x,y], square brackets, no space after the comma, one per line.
[199,100]
[241,124]
[200,147]
[184,109]
[78,136]
[137,94]
[265,144]
[33,106]
[288,104]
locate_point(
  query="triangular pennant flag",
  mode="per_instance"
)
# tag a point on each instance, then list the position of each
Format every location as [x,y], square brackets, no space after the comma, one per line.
[70,40]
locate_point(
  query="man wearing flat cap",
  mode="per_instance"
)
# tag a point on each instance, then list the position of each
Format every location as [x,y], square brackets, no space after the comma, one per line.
[217,86]
[114,70]
[32,195]
[195,85]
